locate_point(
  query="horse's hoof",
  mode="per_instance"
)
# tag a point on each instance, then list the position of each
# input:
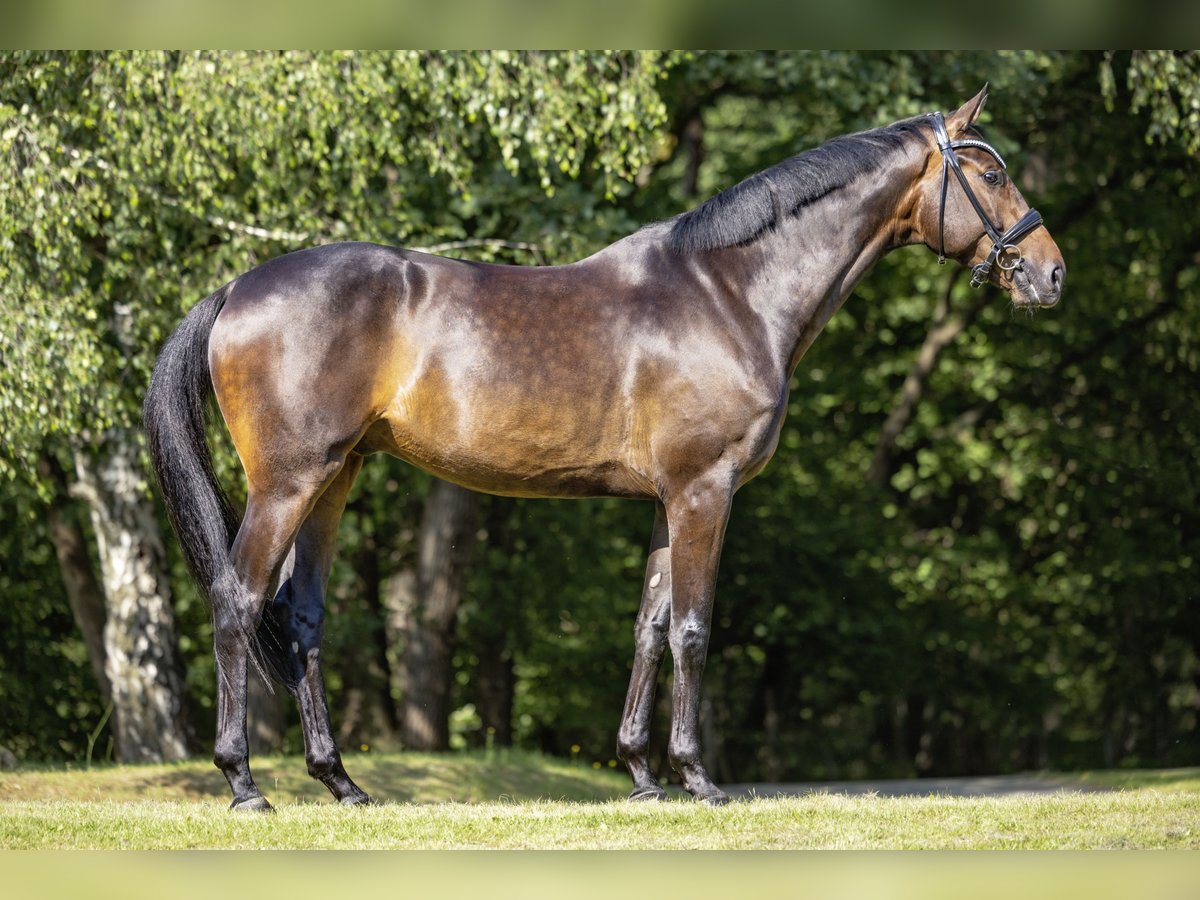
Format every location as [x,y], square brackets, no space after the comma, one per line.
[251,804]
[717,798]
[357,800]
[648,793]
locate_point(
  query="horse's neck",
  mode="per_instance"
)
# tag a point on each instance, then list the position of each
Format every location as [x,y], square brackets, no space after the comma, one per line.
[812,263]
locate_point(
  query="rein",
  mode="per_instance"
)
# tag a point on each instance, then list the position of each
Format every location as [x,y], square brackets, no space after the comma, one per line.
[1004,252]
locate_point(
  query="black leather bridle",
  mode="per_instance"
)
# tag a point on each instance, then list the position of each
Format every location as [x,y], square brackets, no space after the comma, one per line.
[1004,252]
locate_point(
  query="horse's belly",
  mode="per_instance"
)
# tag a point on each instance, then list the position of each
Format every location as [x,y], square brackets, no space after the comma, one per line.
[522,448]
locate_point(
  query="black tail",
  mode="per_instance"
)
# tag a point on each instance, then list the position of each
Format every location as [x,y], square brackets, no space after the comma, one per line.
[174,418]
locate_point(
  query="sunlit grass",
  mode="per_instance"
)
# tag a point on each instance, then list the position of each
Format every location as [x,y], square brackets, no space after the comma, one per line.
[1166,779]
[511,799]
[1126,819]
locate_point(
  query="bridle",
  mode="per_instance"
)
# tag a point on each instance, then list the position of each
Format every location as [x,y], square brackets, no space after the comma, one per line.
[1004,252]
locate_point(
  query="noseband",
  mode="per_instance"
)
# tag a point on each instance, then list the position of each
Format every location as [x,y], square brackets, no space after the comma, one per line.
[1004,252]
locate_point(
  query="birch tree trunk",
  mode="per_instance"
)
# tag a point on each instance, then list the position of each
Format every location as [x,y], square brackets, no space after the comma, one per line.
[78,575]
[444,550]
[141,647]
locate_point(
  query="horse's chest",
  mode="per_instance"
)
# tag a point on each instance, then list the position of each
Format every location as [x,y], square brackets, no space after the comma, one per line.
[732,430]
[762,437]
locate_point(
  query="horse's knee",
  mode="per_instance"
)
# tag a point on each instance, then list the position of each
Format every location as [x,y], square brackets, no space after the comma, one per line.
[689,645]
[650,636]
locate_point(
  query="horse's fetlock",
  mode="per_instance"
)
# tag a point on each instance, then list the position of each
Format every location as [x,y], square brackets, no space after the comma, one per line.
[684,754]
[632,746]
[227,758]
[323,764]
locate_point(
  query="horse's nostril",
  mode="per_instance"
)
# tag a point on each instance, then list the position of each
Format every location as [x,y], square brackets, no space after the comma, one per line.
[1056,278]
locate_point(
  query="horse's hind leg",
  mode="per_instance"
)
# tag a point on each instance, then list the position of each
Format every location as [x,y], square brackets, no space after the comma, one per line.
[650,642]
[293,628]
[273,518]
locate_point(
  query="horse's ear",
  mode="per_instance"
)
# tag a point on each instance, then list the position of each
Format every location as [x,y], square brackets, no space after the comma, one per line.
[964,117]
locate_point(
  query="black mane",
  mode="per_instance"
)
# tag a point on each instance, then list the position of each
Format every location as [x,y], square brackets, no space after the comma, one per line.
[743,212]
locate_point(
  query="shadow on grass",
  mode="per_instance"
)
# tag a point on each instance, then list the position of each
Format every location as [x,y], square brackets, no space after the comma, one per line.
[473,777]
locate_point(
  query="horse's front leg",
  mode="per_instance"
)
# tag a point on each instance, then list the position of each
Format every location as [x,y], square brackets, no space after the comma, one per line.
[650,642]
[696,516]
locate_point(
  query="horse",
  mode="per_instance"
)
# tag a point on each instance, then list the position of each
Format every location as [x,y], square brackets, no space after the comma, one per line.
[657,368]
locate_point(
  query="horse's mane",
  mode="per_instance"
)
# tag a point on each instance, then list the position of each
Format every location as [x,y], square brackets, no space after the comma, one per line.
[743,212]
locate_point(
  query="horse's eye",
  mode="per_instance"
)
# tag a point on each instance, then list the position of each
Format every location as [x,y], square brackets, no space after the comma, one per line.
[992,177]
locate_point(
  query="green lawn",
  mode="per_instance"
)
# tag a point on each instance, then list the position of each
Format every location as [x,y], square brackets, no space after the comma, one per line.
[395,777]
[519,800]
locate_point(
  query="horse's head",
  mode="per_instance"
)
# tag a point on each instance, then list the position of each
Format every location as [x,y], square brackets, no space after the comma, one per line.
[968,209]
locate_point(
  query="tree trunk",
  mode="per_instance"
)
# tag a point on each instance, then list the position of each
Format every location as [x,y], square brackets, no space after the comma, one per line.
[443,553]
[141,649]
[368,713]
[494,691]
[494,682]
[264,716]
[79,576]
[399,596]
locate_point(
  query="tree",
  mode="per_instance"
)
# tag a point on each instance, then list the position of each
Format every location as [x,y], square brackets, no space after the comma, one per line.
[445,545]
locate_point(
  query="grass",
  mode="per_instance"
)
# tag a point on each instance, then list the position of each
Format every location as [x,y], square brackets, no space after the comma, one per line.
[398,777]
[518,800]
[1069,821]
[1166,779]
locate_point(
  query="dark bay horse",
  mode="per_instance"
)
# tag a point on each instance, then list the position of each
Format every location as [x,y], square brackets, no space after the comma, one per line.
[657,368]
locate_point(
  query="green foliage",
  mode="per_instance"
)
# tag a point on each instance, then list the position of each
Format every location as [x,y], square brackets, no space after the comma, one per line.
[569,627]
[1167,83]
[49,701]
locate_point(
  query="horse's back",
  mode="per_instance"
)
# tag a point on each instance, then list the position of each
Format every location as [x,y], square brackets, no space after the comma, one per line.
[515,380]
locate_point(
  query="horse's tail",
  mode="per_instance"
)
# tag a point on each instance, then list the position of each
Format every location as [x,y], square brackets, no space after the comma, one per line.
[174,417]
